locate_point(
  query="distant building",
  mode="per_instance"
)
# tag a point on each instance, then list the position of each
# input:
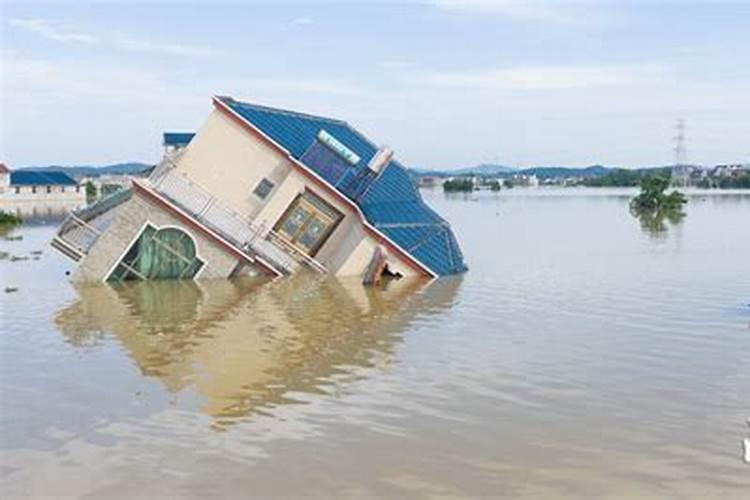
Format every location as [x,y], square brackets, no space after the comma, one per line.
[108,183]
[30,193]
[4,178]
[175,142]
[728,170]
[681,175]
[428,181]
[525,180]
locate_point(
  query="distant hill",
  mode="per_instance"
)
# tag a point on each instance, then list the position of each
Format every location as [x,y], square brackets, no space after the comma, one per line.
[555,172]
[492,170]
[130,168]
[487,169]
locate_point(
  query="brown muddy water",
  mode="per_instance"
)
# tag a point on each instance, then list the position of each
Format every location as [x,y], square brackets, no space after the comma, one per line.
[580,356]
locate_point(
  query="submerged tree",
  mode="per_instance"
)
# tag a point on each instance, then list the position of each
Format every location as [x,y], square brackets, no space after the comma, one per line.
[91,192]
[653,206]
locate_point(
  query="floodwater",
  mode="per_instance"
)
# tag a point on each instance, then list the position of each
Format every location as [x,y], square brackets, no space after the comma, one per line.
[581,355]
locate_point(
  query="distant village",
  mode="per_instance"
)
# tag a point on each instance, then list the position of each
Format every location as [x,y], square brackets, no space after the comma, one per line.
[56,191]
[495,178]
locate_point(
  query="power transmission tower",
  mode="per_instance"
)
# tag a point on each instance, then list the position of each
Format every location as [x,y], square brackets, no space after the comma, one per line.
[680,170]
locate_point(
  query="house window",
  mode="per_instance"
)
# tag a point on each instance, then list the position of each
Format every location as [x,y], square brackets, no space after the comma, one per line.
[308,222]
[62,189]
[78,189]
[49,189]
[18,189]
[33,189]
[167,253]
[263,188]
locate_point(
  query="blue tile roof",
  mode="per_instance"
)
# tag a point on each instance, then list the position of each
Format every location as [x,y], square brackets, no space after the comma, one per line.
[32,178]
[390,202]
[177,138]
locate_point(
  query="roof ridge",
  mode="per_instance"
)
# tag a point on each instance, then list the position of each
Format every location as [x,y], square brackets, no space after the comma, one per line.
[289,112]
[231,100]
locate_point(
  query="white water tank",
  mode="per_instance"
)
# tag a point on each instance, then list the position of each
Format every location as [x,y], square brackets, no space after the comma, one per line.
[380,159]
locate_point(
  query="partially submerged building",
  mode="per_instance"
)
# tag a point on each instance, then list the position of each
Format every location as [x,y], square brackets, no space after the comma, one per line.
[30,193]
[259,190]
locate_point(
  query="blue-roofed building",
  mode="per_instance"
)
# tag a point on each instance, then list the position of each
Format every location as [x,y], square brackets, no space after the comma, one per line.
[34,178]
[389,200]
[176,141]
[30,193]
[260,190]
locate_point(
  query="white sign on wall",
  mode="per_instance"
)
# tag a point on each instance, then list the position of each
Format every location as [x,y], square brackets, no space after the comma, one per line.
[337,147]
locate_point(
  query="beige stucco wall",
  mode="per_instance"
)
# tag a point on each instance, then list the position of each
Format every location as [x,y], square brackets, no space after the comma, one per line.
[229,162]
[29,204]
[68,194]
[131,218]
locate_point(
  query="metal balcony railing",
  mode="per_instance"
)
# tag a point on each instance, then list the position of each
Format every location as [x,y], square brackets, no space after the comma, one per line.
[80,230]
[234,227]
[75,237]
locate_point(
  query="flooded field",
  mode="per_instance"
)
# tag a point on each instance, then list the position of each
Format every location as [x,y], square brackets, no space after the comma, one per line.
[581,355]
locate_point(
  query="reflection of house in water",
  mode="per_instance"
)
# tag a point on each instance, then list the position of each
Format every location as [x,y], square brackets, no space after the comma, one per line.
[260,190]
[246,346]
[32,194]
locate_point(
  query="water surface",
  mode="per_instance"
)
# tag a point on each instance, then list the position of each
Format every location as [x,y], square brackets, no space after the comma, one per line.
[580,356]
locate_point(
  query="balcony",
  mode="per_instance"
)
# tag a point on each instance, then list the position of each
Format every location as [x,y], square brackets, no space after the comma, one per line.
[80,230]
[254,240]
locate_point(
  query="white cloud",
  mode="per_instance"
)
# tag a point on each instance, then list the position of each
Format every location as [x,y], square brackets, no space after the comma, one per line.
[289,86]
[545,77]
[143,45]
[394,64]
[558,11]
[52,31]
[299,21]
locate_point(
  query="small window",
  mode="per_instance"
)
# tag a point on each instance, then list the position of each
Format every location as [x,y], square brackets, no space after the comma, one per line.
[62,189]
[263,188]
[49,189]
[78,189]
[33,189]
[18,190]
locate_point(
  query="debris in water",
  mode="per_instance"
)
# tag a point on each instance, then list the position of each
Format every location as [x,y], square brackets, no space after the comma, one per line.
[15,258]
[10,289]
[17,237]
[4,255]
[36,252]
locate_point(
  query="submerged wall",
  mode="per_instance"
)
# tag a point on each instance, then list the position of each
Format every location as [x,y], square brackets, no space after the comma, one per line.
[131,218]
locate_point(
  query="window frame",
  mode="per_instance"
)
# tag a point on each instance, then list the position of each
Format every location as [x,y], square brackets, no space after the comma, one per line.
[129,269]
[268,187]
[320,205]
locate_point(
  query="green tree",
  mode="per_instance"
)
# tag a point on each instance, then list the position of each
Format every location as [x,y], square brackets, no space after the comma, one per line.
[459,184]
[91,192]
[652,206]
[9,219]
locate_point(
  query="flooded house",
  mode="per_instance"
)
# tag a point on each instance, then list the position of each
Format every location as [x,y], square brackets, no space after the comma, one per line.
[30,193]
[263,191]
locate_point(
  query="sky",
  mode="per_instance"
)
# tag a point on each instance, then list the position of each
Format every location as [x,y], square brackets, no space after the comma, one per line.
[445,83]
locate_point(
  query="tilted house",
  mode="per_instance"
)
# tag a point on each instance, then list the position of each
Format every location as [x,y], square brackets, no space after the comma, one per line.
[260,190]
